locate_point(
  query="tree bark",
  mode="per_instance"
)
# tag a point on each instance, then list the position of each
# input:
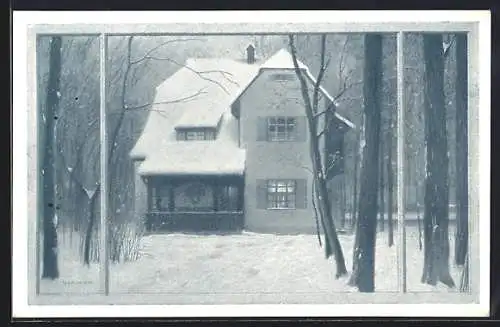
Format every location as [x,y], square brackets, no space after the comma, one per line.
[368,201]
[390,185]
[354,201]
[91,223]
[462,234]
[50,266]
[436,245]
[382,186]
[342,200]
[419,223]
[464,278]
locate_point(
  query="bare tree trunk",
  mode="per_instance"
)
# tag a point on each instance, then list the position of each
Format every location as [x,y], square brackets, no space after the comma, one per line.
[390,181]
[464,279]
[50,266]
[332,243]
[419,223]
[91,224]
[342,200]
[368,201]
[382,186]
[436,245]
[359,158]
[462,234]
[355,181]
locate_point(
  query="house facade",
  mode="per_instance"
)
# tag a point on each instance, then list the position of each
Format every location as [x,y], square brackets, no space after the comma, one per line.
[226,146]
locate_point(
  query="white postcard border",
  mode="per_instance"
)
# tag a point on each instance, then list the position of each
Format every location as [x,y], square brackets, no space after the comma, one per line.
[236,22]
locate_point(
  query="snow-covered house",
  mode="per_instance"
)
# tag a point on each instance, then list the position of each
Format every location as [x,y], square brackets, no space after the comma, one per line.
[226,147]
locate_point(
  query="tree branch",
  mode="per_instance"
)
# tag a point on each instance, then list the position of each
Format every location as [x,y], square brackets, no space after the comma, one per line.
[447,47]
[341,60]
[199,73]
[320,74]
[330,108]
[346,88]
[137,61]
[303,83]
[146,105]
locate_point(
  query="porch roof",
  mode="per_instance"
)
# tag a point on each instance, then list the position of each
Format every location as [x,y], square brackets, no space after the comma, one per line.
[195,158]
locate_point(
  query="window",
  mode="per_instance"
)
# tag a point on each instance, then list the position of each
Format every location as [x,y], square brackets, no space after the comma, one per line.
[160,197]
[196,135]
[281,128]
[281,194]
[283,77]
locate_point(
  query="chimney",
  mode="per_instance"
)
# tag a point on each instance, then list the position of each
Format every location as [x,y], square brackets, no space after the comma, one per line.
[250,54]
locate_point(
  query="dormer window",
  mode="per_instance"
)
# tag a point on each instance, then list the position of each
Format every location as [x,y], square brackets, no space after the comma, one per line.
[283,77]
[196,134]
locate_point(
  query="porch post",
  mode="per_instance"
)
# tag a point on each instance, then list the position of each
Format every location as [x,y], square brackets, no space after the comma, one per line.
[215,193]
[171,196]
[150,193]
[241,193]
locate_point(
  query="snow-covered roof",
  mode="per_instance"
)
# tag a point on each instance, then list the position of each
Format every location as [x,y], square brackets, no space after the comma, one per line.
[281,60]
[331,99]
[218,80]
[200,94]
[220,156]
[197,95]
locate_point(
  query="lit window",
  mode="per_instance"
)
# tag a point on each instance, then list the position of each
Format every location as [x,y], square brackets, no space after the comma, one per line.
[281,194]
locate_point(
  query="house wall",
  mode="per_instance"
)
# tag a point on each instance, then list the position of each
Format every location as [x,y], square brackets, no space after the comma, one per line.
[274,160]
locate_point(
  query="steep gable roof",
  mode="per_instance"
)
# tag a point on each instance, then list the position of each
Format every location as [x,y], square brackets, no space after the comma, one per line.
[219,80]
[284,60]
[281,60]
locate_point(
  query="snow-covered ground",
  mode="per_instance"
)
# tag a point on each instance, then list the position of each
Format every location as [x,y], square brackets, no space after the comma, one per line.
[247,268]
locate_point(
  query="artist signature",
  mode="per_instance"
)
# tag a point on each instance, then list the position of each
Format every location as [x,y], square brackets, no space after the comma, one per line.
[75,282]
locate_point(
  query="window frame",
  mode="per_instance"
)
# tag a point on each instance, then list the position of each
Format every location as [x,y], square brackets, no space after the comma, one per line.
[281,194]
[196,134]
[288,126]
[283,77]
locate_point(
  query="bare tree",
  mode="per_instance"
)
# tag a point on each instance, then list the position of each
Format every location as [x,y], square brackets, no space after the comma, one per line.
[358,154]
[86,198]
[364,264]
[50,266]
[464,278]
[126,80]
[332,244]
[436,220]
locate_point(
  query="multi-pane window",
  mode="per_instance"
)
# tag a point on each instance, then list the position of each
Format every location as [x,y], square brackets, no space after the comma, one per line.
[281,128]
[283,77]
[160,198]
[281,194]
[196,135]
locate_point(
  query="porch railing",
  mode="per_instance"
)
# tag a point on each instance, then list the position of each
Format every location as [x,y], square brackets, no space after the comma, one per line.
[195,221]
